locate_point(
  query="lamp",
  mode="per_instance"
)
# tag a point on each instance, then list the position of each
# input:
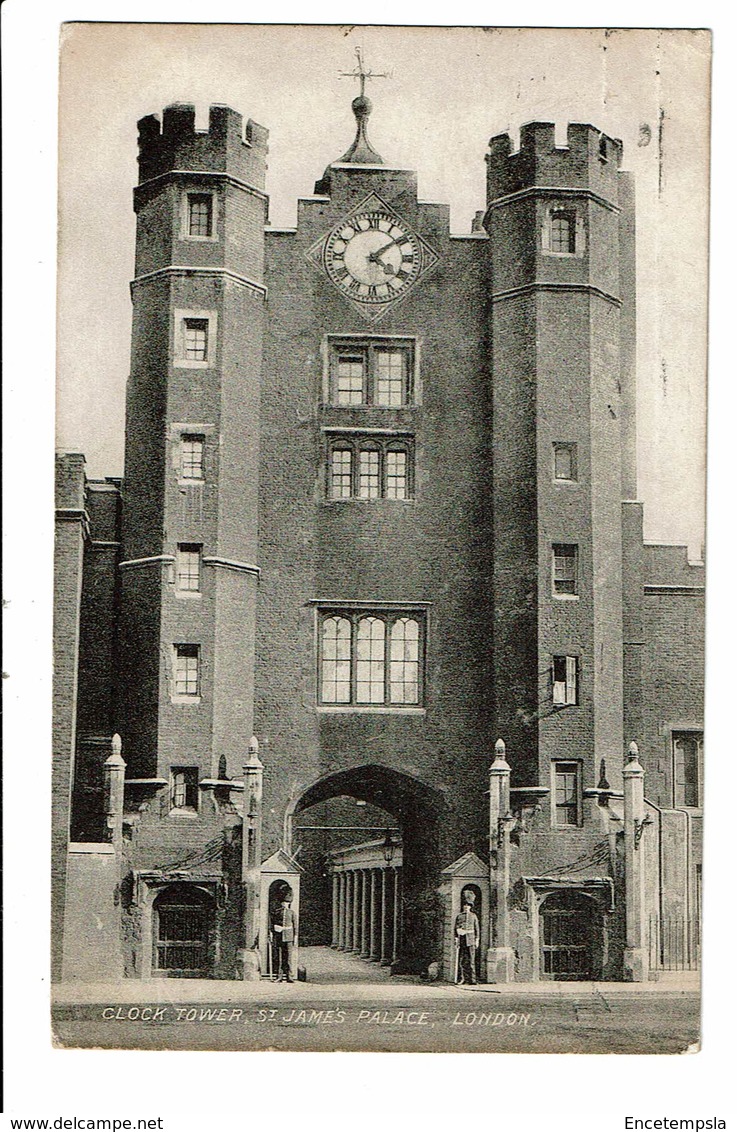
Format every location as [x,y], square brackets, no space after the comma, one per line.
[388,847]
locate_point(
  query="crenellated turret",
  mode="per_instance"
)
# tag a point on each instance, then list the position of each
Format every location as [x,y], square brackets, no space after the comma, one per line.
[176,144]
[590,160]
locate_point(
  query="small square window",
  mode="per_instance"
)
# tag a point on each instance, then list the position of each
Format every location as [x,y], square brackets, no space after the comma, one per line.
[565,464]
[192,457]
[189,568]
[184,788]
[187,670]
[565,570]
[199,214]
[195,339]
[567,811]
[563,231]
[565,680]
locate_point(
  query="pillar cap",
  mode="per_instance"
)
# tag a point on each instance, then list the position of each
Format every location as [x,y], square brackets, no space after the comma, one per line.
[500,764]
[115,758]
[632,765]
[253,761]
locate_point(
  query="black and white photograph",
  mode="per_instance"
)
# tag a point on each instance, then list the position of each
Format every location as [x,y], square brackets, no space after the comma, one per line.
[365,697]
[379,630]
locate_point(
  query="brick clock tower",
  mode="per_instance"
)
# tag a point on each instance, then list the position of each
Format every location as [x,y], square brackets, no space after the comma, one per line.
[373,514]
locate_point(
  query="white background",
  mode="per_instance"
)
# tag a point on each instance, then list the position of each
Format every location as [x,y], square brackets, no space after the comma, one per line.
[201,1091]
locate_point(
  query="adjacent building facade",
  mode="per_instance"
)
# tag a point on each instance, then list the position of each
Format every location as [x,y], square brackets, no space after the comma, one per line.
[379,510]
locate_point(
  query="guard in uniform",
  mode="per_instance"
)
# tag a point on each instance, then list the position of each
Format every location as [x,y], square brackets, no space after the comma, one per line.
[284,929]
[467,937]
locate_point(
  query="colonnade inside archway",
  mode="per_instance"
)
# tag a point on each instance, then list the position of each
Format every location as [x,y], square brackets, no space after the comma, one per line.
[367,911]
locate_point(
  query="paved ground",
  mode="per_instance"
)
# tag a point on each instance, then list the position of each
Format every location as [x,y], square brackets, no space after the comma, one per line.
[348,1004]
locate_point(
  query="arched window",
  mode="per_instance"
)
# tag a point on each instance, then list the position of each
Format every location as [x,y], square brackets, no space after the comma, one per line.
[341,473]
[336,661]
[370,662]
[404,664]
[371,658]
[369,473]
[184,931]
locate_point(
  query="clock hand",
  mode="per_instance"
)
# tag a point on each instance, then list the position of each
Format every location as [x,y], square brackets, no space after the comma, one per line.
[374,257]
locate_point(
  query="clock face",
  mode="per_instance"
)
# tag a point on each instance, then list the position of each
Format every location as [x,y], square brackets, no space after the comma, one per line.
[372,256]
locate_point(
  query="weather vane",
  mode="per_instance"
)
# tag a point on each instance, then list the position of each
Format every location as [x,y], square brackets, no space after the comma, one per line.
[361,74]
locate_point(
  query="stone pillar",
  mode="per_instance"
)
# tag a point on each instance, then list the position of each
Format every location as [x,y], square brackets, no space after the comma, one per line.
[636,957]
[373,949]
[341,912]
[385,929]
[348,909]
[253,774]
[365,894]
[114,785]
[396,918]
[336,885]
[500,956]
[357,904]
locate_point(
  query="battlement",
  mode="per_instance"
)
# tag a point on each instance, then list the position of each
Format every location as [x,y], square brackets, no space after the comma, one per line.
[589,160]
[174,143]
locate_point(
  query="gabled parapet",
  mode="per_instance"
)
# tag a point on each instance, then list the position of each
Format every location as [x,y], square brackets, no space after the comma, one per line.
[175,144]
[589,160]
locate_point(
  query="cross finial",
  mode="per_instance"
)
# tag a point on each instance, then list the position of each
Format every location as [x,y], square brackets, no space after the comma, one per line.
[362,74]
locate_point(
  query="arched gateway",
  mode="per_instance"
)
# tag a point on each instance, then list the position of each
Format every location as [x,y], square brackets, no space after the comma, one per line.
[385,907]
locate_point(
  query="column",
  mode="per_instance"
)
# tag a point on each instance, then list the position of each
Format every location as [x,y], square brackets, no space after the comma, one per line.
[341,912]
[500,956]
[253,775]
[636,958]
[348,908]
[385,938]
[357,910]
[365,894]
[373,950]
[397,912]
[336,884]
[114,783]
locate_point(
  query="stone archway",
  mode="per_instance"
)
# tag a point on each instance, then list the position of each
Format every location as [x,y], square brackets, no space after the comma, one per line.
[419,812]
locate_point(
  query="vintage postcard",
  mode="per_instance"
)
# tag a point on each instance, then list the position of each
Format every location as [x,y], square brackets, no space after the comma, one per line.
[379,630]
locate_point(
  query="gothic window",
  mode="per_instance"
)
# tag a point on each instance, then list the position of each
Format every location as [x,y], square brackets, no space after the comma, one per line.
[565,570]
[188,568]
[360,467]
[567,801]
[371,372]
[565,677]
[371,658]
[186,671]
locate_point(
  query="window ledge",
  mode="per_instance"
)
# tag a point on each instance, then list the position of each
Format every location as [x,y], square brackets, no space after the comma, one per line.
[186,699]
[358,499]
[188,595]
[190,363]
[183,812]
[567,597]
[368,709]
